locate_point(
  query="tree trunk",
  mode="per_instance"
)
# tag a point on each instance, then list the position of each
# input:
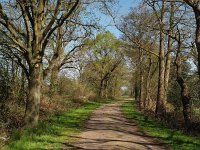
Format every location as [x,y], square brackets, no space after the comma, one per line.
[197,40]
[147,90]
[167,67]
[168,57]
[160,103]
[136,89]
[185,95]
[141,96]
[54,80]
[34,94]
[105,88]
[101,88]
[22,86]
[141,84]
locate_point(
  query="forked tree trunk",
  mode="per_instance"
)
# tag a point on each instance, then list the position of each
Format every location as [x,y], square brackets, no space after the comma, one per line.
[185,95]
[34,94]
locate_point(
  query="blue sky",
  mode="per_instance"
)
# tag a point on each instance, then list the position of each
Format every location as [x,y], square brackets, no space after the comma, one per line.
[124,8]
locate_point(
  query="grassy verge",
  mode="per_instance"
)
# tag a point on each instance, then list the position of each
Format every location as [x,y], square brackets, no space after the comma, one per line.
[54,133]
[175,139]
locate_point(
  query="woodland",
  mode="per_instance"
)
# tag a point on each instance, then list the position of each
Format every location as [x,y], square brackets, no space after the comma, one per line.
[55,55]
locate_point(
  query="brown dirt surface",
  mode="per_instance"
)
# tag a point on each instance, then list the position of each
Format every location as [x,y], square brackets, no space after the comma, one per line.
[108,129]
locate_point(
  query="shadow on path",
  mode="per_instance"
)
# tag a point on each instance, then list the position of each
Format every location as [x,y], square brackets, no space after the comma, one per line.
[108,129]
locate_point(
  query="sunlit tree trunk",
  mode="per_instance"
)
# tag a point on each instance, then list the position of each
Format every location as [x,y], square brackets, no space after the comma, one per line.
[160,103]
[169,51]
[34,94]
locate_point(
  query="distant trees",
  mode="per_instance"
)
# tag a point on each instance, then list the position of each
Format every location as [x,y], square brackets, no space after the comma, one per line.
[140,47]
[104,64]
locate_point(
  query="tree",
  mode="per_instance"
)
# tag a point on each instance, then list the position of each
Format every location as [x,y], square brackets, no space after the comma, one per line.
[37,28]
[181,37]
[104,58]
[64,46]
[27,27]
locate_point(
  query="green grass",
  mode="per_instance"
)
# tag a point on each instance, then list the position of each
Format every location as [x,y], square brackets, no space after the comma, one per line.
[173,138]
[56,132]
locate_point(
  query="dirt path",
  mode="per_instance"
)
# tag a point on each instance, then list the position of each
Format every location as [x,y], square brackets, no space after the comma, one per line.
[108,129]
